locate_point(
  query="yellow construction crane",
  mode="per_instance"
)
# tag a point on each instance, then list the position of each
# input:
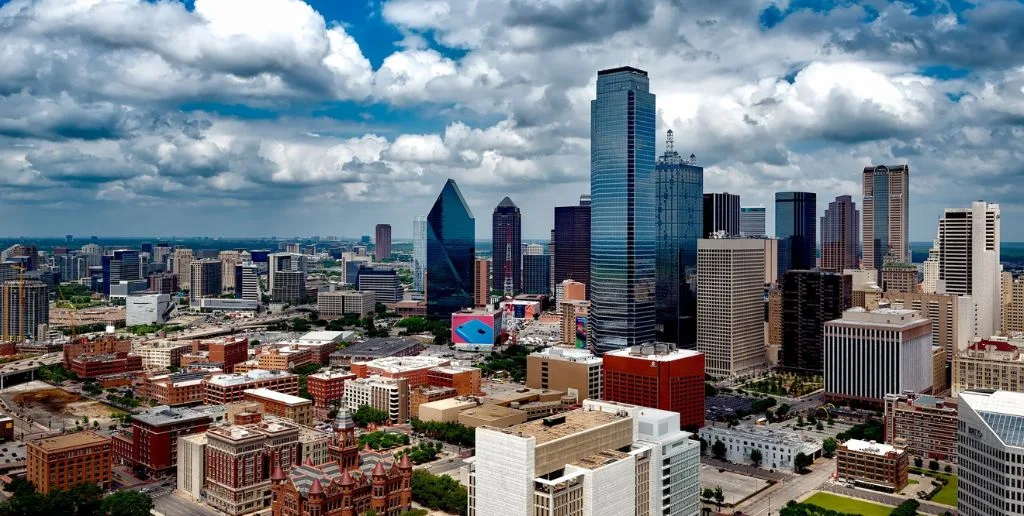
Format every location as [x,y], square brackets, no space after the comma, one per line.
[71,312]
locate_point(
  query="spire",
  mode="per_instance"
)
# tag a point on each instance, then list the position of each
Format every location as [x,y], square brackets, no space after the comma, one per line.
[316,488]
[405,463]
[669,142]
[378,470]
[346,479]
[277,474]
[507,203]
[344,421]
[309,461]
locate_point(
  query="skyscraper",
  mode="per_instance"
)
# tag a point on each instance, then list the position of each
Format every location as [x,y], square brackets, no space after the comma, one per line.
[752,221]
[679,184]
[840,235]
[206,279]
[382,242]
[536,273]
[721,213]
[622,250]
[730,305]
[506,235]
[572,235]
[481,281]
[25,306]
[122,265]
[451,249]
[796,218]
[809,299]
[886,215]
[989,448]
[419,252]
[969,261]
[183,266]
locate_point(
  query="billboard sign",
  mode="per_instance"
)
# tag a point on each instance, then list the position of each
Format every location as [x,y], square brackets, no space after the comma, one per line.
[473,329]
[581,332]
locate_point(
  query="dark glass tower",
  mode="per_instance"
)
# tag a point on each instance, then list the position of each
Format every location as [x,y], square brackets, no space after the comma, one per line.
[506,231]
[536,273]
[721,213]
[451,249]
[572,235]
[809,300]
[622,254]
[796,216]
[840,235]
[679,185]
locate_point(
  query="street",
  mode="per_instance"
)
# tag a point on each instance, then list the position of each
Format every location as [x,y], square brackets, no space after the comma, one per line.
[443,466]
[768,501]
[174,505]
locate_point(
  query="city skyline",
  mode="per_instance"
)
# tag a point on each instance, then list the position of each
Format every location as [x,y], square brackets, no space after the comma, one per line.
[361,104]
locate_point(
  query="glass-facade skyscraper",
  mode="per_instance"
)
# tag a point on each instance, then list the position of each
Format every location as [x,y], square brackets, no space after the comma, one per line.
[572,237]
[752,221]
[622,231]
[506,231]
[679,187]
[796,227]
[886,215]
[721,213]
[840,235]
[451,249]
[419,252]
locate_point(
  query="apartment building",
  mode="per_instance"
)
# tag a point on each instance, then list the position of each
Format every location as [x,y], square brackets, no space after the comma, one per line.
[923,425]
[388,394]
[989,364]
[299,410]
[577,372]
[872,465]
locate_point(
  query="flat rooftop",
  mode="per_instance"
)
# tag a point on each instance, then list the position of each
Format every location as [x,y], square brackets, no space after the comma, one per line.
[450,403]
[581,356]
[395,365]
[764,434]
[576,421]
[377,347]
[164,415]
[871,447]
[454,369]
[75,440]
[894,318]
[330,375]
[255,375]
[324,336]
[279,397]
[522,394]
[488,412]
[599,460]
[656,353]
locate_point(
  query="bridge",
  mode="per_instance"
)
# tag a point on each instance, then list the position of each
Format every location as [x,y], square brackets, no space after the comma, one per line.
[27,366]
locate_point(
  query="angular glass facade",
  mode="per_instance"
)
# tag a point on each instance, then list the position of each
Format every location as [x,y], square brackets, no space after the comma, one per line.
[572,235]
[680,185]
[451,249]
[506,231]
[419,252]
[622,250]
[796,227]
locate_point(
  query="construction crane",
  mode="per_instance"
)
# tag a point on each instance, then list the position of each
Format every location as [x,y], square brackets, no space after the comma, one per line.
[71,312]
[508,319]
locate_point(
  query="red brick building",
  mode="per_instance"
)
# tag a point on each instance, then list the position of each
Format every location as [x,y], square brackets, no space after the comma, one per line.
[659,378]
[102,345]
[155,436]
[228,351]
[327,388]
[465,380]
[238,459]
[415,369]
[228,388]
[93,366]
[175,389]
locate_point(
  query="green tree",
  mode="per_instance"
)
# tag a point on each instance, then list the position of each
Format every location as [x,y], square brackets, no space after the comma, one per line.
[907,508]
[933,465]
[918,462]
[366,414]
[439,492]
[707,494]
[719,497]
[127,503]
[819,427]
[801,462]
[948,469]
[718,449]
[756,457]
[782,411]
[828,446]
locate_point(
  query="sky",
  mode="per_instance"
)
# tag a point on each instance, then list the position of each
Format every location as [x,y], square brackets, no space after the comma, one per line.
[288,118]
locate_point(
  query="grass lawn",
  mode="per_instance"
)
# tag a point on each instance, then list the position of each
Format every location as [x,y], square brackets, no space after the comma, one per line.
[911,481]
[848,505]
[947,495]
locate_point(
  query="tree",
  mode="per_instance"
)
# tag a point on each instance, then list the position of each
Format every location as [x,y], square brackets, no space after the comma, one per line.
[819,427]
[799,421]
[718,449]
[801,462]
[907,508]
[918,462]
[782,410]
[707,494]
[719,497]
[933,465]
[948,469]
[439,492]
[756,457]
[127,503]
[366,414]
[828,446]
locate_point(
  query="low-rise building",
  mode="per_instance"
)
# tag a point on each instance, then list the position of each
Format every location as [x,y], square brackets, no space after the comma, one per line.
[284,358]
[924,425]
[388,394]
[872,465]
[227,388]
[426,394]
[411,308]
[465,380]
[298,410]
[778,447]
[155,436]
[446,410]
[414,369]
[496,416]
[68,460]
[327,388]
[309,490]
[578,372]
[147,309]
[989,364]
[161,355]
[375,348]
[95,366]
[335,304]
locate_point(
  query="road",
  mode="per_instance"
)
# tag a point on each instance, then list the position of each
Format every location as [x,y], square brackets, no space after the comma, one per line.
[770,500]
[449,466]
[174,505]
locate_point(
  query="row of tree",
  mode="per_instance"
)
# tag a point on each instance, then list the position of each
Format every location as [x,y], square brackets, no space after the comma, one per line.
[450,432]
[81,500]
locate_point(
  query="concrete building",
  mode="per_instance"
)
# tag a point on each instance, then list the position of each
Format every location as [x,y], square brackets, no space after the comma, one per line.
[147,309]
[730,305]
[898,277]
[990,450]
[886,201]
[68,460]
[388,394]
[446,410]
[969,261]
[778,447]
[163,283]
[25,306]
[247,282]
[1006,299]
[161,355]
[228,388]
[298,410]
[183,267]
[206,279]
[481,282]
[382,242]
[924,425]
[1015,317]
[340,302]
[773,327]
[373,348]
[989,365]
[592,459]
[871,354]
[574,323]
[952,317]
[287,277]
[191,477]
[229,260]
[657,377]
[872,465]
[427,394]
[577,372]
[383,282]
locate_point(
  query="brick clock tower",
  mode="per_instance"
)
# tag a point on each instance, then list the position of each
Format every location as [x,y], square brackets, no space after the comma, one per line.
[344,447]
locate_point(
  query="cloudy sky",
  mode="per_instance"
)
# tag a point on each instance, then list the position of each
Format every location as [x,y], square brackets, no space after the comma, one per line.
[280,117]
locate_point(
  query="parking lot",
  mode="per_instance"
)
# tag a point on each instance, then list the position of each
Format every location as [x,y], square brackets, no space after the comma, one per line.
[734,486]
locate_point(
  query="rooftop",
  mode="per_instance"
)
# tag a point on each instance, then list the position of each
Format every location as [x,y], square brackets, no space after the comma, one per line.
[599,460]
[330,375]
[165,415]
[997,345]
[871,447]
[279,397]
[454,369]
[395,365]
[764,434]
[581,356]
[576,421]
[489,412]
[226,380]
[657,353]
[325,336]
[891,318]
[75,440]
[378,347]
[450,403]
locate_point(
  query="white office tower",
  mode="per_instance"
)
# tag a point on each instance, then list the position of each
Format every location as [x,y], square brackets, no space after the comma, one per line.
[602,459]
[990,452]
[730,305]
[931,269]
[969,261]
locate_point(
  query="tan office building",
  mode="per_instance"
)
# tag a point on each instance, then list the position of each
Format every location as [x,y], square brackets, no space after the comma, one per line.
[481,282]
[924,425]
[574,371]
[299,410]
[989,364]
[952,317]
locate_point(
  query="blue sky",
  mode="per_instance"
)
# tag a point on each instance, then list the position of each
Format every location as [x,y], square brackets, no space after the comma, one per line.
[281,117]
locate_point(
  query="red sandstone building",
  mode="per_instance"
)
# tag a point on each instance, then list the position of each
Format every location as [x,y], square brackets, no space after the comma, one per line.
[327,388]
[659,378]
[153,442]
[228,351]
